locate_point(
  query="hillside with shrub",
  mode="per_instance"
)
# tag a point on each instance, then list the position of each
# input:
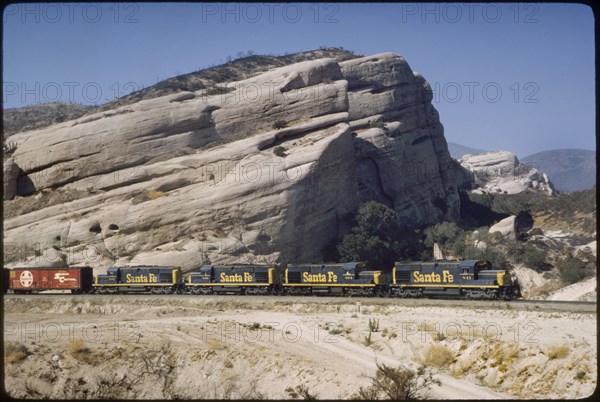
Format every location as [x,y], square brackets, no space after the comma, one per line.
[554,245]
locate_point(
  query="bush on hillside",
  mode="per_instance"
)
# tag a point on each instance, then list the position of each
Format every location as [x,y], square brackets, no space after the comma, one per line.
[374,238]
[573,269]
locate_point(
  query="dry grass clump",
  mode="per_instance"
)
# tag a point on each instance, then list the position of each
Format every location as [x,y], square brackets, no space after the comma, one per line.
[81,352]
[437,355]
[147,195]
[15,352]
[558,352]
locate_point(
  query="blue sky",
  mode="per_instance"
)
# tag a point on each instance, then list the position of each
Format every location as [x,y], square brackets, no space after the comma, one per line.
[518,77]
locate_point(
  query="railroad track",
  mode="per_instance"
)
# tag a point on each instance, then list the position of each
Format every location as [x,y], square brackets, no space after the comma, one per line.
[527,305]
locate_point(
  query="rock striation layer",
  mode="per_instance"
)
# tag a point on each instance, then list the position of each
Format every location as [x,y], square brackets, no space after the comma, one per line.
[268,168]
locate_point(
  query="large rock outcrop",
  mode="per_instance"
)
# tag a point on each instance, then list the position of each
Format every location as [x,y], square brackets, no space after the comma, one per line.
[501,172]
[271,167]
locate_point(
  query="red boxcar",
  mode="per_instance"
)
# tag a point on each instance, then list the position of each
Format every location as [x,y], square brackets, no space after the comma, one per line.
[28,280]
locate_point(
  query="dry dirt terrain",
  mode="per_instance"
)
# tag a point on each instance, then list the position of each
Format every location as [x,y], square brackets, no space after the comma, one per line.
[136,346]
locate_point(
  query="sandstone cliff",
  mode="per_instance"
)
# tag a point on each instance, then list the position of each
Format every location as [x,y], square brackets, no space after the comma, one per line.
[271,167]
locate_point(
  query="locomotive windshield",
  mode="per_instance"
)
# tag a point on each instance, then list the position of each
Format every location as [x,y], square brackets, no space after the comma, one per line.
[483,265]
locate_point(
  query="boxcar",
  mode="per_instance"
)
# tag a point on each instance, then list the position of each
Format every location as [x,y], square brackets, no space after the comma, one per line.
[236,278]
[346,278]
[145,278]
[30,280]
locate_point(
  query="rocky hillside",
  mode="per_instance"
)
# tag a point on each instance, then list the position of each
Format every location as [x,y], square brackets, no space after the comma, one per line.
[569,169]
[43,115]
[501,172]
[263,168]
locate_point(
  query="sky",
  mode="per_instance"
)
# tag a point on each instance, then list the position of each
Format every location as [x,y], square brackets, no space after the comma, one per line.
[517,77]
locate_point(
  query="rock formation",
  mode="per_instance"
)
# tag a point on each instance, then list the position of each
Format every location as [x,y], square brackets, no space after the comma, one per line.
[270,167]
[10,173]
[501,172]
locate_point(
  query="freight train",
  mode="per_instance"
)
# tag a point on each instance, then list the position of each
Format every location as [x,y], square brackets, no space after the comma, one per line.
[475,279]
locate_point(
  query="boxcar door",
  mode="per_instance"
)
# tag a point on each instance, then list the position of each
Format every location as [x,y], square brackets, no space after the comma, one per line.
[45,279]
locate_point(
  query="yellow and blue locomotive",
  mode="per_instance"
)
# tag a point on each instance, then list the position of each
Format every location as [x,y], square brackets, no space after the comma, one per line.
[154,279]
[347,278]
[474,279]
[238,278]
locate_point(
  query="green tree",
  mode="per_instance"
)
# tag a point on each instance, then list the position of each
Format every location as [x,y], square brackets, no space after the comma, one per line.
[449,236]
[445,233]
[374,238]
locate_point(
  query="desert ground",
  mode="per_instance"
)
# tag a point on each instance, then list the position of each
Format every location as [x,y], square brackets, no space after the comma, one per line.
[248,347]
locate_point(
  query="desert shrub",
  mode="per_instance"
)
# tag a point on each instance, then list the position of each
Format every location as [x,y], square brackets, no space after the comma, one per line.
[279,151]
[437,355]
[534,257]
[336,331]
[15,352]
[397,383]
[301,392]
[528,254]
[279,124]
[571,269]
[558,352]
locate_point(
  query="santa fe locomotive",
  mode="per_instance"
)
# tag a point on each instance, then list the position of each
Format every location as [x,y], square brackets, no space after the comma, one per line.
[474,279]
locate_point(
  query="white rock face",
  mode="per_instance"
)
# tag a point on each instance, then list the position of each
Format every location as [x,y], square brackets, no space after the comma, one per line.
[501,172]
[506,227]
[187,178]
[580,291]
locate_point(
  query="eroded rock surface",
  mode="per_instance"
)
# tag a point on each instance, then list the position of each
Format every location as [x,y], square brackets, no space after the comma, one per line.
[501,172]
